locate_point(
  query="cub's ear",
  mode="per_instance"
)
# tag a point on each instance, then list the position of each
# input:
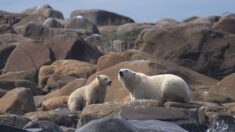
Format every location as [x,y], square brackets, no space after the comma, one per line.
[98,77]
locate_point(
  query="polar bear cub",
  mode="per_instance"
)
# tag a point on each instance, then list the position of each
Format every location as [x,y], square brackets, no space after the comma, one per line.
[92,93]
[162,87]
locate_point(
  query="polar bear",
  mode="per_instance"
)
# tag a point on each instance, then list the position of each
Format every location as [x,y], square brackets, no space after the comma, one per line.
[165,87]
[92,93]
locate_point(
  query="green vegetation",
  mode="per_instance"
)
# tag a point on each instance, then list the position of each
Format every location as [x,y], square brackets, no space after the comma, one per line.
[129,36]
[190,19]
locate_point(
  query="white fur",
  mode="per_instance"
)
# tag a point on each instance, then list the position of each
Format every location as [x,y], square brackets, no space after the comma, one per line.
[92,93]
[160,87]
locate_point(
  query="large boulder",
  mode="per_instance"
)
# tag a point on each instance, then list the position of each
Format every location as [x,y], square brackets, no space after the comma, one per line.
[72,46]
[60,117]
[13,120]
[108,125]
[225,87]
[226,23]
[53,23]
[5,52]
[196,46]
[42,126]
[65,67]
[35,31]
[54,103]
[83,23]
[10,18]
[45,10]
[28,57]
[97,41]
[146,110]
[67,89]
[17,101]
[102,17]
[35,18]
[198,83]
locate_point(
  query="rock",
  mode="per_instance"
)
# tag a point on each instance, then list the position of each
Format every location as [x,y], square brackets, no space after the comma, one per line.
[5,52]
[38,100]
[17,101]
[54,103]
[19,75]
[13,120]
[42,126]
[196,46]
[108,125]
[196,81]
[219,123]
[67,129]
[6,28]
[33,55]
[6,128]
[35,18]
[166,22]
[57,81]
[225,87]
[72,46]
[97,41]
[83,23]
[36,31]
[67,89]
[53,23]
[10,18]
[114,58]
[183,117]
[65,67]
[156,126]
[45,10]
[102,17]
[2,92]
[59,116]
[11,84]
[226,23]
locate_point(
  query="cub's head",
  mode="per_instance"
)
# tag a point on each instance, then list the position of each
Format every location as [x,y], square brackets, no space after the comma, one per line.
[125,74]
[104,80]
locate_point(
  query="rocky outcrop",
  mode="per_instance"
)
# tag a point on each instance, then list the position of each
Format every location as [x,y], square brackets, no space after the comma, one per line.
[102,17]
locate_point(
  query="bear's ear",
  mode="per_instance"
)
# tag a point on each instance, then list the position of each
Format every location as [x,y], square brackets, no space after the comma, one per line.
[98,77]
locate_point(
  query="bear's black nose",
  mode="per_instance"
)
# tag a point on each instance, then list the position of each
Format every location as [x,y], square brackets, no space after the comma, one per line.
[121,73]
[109,83]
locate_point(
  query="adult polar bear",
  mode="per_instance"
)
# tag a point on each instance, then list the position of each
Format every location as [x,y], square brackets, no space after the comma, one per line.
[92,93]
[161,87]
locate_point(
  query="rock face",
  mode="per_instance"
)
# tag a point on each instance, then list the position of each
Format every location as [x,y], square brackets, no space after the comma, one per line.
[197,82]
[72,46]
[28,57]
[101,17]
[195,46]
[83,23]
[54,103]
[225,87]
[44,10]
[17,101]
[226,23]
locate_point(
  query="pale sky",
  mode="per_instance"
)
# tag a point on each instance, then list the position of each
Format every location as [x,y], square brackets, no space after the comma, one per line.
[139,10]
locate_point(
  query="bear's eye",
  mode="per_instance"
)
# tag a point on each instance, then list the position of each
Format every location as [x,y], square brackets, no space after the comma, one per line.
[105,78]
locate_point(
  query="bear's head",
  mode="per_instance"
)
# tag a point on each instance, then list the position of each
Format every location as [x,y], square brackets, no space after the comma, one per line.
[126,74]
[104,80]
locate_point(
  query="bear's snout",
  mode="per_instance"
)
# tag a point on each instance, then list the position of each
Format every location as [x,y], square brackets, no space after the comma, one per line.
[109,83]
[121,73]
